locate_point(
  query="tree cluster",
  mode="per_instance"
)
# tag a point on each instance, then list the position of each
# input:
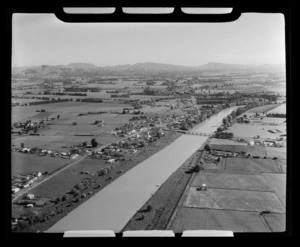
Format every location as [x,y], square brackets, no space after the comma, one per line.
[223,135]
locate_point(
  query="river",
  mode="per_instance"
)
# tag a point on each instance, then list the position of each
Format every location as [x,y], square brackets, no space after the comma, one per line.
[113,206]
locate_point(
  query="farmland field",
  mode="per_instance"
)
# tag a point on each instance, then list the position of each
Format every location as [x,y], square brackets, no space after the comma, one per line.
[68,178]
[280,109]
[252,165]
[25,112]
[251,130]
[57,143]
[280,153]
[275,120]
[253,150]
[262,109]
[216,141]
[23,101]
[109,119]
[212,219]
[27,163]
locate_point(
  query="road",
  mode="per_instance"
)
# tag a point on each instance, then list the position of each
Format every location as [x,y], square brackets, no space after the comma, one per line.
[64,168]
[47,178]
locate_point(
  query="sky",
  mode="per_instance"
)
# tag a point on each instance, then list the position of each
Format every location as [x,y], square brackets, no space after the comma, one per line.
[254,38]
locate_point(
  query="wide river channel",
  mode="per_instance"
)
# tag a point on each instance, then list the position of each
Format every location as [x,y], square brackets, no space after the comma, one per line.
[113,206]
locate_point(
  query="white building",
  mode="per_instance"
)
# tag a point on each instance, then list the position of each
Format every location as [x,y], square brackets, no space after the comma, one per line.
[15,190]
[30,196]
[111,161]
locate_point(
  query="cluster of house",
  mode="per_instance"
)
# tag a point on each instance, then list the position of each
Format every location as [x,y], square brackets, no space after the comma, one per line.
[134,118]
[27,126]
[187,120]
[23,181]
[99,112]
[81,89]
[215,155]
[44,152]
[279,142]
[171,106]
[117,151]
[133,127]
[131,110]
[92,113]
[191,118]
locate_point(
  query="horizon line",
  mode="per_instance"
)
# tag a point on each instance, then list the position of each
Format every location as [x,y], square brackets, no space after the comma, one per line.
[246,64]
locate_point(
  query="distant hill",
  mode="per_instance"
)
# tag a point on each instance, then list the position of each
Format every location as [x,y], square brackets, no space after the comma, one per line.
[16,70]
[82,65]
[221,66]
[77,69]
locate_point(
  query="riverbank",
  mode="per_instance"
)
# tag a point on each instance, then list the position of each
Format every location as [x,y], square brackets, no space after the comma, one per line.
[158,210]
[53,212]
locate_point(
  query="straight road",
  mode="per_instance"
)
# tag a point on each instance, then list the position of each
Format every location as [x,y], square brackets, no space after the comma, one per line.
[62,169]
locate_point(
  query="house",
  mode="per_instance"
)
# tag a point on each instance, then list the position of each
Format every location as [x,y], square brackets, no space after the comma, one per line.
[30,196]
[279,144]
[258,142]
[111,161]
[15,190]
[26,150]
[74,156]
[251,143]
[269,143]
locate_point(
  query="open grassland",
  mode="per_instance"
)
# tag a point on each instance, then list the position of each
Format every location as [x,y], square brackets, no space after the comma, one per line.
[262,109]
[215,141]
[272,120]
[280,109]
[64,181]
[251,130]
[60,143]
[23,101]
[27,163]
[20,113]
[109,119]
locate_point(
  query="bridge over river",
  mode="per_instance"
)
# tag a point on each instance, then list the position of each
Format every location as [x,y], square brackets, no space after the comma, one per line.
[187,132]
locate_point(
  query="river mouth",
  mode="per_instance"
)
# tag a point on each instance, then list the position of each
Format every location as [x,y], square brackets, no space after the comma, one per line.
[112,207]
